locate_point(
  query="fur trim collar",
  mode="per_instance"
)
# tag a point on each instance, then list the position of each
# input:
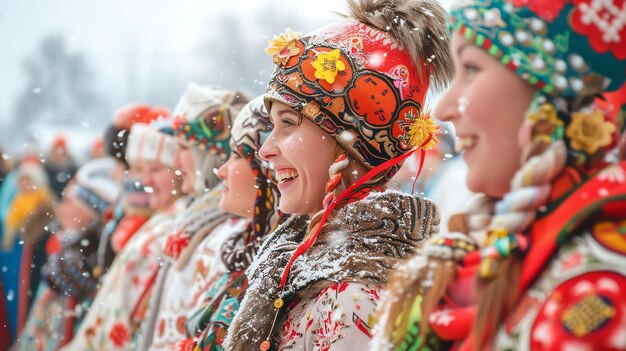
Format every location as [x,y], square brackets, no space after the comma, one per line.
[363,242]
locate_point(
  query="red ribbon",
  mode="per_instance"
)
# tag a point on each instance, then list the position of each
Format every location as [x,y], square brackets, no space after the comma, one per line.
[346,193]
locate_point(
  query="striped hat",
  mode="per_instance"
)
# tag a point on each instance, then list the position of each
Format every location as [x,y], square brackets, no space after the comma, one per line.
[148,143]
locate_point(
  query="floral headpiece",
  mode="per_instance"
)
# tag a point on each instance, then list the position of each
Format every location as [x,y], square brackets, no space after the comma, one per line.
[359,86]
[203,118]
[573,51]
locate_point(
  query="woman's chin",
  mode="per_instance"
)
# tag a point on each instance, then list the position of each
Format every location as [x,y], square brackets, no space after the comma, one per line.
[480,184]
[285,209]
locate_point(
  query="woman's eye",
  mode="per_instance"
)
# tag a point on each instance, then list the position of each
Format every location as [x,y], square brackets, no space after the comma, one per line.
[287,123]
[470,68]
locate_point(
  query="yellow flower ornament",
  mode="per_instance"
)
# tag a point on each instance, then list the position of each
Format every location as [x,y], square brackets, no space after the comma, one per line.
[328,65]
[546,124]
[546,112]
[423,132]
[589,132]
[283,46]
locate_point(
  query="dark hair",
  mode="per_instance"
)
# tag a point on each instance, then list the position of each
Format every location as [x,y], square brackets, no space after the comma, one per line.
[115,141]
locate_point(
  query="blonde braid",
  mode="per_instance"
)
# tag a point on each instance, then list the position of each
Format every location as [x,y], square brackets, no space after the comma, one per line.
[336,183]
[530,190]
[428,276]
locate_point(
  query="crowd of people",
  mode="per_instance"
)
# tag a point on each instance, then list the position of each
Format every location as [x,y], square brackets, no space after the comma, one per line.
[337,211]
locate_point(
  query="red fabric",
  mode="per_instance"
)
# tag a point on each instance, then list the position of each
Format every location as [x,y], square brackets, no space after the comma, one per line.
[144,300]
[452,323]
[59,141]
[52,245]
[68,323]
[125,230]
[546,9]
[130,114]
[23,287]
[566,315]
[617,98]
[176,243]
[595,32]
[547,232]
[5,333]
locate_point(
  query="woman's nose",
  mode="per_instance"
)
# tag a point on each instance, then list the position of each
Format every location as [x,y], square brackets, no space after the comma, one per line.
[222,171]
[269,149]
[447,109]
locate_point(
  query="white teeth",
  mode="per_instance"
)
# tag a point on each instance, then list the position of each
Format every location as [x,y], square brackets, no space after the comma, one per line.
[465,143]
[283,176]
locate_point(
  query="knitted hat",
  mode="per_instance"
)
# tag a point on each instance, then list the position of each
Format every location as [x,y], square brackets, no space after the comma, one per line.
[572,51]
[116,136]
[364,81]
[130,114]
[95,186]
[204,115]
[149,143]
[202,120]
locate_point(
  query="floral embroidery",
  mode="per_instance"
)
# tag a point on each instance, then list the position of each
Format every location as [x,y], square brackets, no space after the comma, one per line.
[372,295]
[590,131]
[442,317]
[289,332]
[328,65]
[603,24]
[185,345]
[612,174]
[331,324]
[573,261]
[119,334]
[176,243]
[339,316]
[546,123]
[283,47]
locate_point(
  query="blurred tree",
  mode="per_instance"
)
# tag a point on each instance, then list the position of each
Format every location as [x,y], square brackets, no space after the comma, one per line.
[59,90]
[235,47]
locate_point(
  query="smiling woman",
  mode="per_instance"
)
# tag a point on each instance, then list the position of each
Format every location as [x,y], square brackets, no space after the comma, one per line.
[251,193]
[112,321]
[301,154]
[485,132]
[346,104]
[536,261]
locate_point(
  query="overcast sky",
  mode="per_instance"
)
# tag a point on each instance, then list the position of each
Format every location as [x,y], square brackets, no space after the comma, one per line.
[109,32]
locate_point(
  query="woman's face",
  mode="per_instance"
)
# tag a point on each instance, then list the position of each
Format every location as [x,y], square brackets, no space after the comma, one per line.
[26,184]
[486,103]
[301,155]
[186,165]
[163,182]
[71,213]
[239,192]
